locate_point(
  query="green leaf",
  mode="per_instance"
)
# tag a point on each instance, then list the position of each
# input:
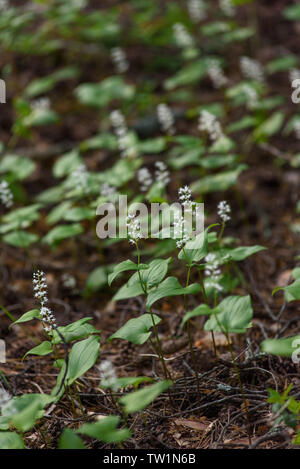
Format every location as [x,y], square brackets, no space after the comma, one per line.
[75,331]
[123,267]
[11,440]
[138,400]
[101,94]
[129,290]
[190,74]
[286,62]
[202,310]
[83,356]
[61,232]
[270,127]
[121,383]
[69,440]
[281,347]
[66,164]
[155,272]
[43,349]
[292,12]
[136,330]
[20,239]
[218,182]
[18,166]
[106,430]
[196,249]
[235,315]
[96,280]
[292,292]
[32,314]
[79,214]
[170,287]
[240,253]
[223,145]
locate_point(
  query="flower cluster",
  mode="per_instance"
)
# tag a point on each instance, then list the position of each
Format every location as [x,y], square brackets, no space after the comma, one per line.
[166,119]
[133,228]
[185,198]
[6,196]
[120,60]
[251,69]
[227,7]
[108,375]
[145,179]
[107,191]
[162,175]
[80,175]
[182,232]
[213,271]
[216,74]
[5,397]
[182,36]
[41,104]
[125,143]
[40,292]
[197,10]
[251,96]
[209,123]
[224,210]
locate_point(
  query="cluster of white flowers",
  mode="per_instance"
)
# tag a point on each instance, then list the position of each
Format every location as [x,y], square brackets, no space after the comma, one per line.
[182,232]
[213,271]
[227,7]
[125,143]
[133,228]
[40,292]
[251,95]
[107,191]
[5,397]
[294,74]
[41,104]
[68,281]
[210,124]
[182,36]
[166,118]
[80,176]
[162,175]
[119,59]
[216,74]
[197,10]
[251,69]
[145,179]
[4,4]
[224,211]
[6,196]
[296,126]
[108,375]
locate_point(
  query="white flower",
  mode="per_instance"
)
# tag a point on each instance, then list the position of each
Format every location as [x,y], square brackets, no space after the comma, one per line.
[180,231]
[5,397]
[119,59]
[40,292]
[224,210]
[4,4]
[68,281]
[197,10]
[6,196]
[145,179]
[213,271]
[166,118]
[216,74]
[80,176]
[162,175]
[107,190]
[251,95]
[41,104]
[182,36]
[227,7]
[125,142]
[251,69]
[48,319]
[108,375]
[133,228]
[209,123]
[185,198]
